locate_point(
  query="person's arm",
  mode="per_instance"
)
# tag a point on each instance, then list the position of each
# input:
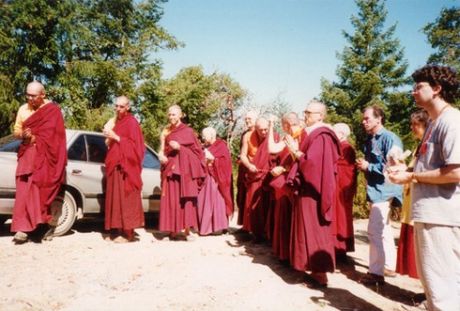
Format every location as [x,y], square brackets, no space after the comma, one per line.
[445,175]
[17,129]
[161,154]
[244,153]
[274,147]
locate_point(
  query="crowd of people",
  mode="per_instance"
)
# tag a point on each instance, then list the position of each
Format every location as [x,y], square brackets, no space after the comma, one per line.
[294,189]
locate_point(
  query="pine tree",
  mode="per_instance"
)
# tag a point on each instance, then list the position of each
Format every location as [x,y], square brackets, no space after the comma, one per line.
[372,70]
[444,35]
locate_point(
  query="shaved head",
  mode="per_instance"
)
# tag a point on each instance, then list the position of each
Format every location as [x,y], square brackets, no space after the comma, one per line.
[175,108]
[35,87]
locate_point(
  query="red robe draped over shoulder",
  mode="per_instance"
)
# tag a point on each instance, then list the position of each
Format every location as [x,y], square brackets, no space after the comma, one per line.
[182,177]
[258,197]
[41,168]
[215,201]
[123,202]
[346,190]
[221,171]
[313,214]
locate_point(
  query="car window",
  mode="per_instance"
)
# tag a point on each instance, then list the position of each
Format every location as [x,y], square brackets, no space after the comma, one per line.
[9,144]
[77,150]
[96,148]
[150,160]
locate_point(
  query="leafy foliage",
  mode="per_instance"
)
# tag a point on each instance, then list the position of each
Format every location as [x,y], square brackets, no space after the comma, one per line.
[444,35]
[206,100]
[86,52]
[373,71]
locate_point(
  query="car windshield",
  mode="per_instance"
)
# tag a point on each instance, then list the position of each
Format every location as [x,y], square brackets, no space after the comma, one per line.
[9,144]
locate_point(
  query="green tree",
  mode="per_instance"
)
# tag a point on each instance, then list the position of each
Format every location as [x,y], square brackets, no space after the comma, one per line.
[86,52]
[372,71]
[206,100]
[444,36]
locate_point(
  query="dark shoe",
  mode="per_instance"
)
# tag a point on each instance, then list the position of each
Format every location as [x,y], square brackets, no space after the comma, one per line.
[372,279]
[20,237]
[313,282]
[389,273]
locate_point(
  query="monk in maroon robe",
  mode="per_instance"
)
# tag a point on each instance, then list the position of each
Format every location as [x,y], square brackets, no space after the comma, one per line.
[182,174]
[283,194]
[313,214]
[346,190]
[42,159]
[123,203]
[215,201]
[250,121]
[256,158]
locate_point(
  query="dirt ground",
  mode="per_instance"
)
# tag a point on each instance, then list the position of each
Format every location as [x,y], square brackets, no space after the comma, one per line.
[82,271]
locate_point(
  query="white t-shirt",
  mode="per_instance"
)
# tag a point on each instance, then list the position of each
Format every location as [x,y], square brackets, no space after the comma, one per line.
[440,203]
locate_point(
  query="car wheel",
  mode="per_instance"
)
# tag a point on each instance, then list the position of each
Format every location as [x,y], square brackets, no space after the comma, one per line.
[64,212]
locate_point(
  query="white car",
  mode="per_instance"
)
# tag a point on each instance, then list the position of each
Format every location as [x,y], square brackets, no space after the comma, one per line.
[84,189]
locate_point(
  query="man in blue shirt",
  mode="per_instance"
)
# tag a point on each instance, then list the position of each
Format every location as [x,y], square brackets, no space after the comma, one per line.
[380,195]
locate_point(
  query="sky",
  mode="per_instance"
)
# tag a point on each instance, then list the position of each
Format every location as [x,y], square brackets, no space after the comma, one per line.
[282,48]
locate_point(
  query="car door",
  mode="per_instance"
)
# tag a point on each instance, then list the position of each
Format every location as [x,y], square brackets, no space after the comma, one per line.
[8,162]
[86,170]
[151,189]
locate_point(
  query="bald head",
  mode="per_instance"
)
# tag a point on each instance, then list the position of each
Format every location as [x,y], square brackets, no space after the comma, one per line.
[209,135]
[122,100]
[35,93]
[175,108]
[262,127]
[250,119]
[342,131]
[315,112]
[35,87]
[291,118]
[174,115]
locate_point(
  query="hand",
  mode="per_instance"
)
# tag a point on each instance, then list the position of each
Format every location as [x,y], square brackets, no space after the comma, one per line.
[174,145]
[252,168]
[396,168]
[277,170]
[208,155]
[362,164]
[162,159]
[272,119]
[110,134]
[400,177]
[291,143]
[27,133]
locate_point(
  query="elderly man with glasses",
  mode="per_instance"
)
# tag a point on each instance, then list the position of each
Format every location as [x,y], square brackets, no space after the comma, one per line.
[42,158]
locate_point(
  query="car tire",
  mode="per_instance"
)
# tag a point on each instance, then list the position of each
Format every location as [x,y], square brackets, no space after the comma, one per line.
[64,212]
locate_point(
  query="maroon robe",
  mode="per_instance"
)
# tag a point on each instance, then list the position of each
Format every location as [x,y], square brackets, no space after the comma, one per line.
[346,191]
[41,168]
[182,177]
[313,214]
[215,201]
[221,171]
[241,187]
[123,202]
[258,197]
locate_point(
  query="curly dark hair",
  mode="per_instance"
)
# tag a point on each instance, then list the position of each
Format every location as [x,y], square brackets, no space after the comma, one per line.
[444,76]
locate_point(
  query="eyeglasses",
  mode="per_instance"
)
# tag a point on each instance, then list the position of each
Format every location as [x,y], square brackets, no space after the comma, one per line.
[306,112]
